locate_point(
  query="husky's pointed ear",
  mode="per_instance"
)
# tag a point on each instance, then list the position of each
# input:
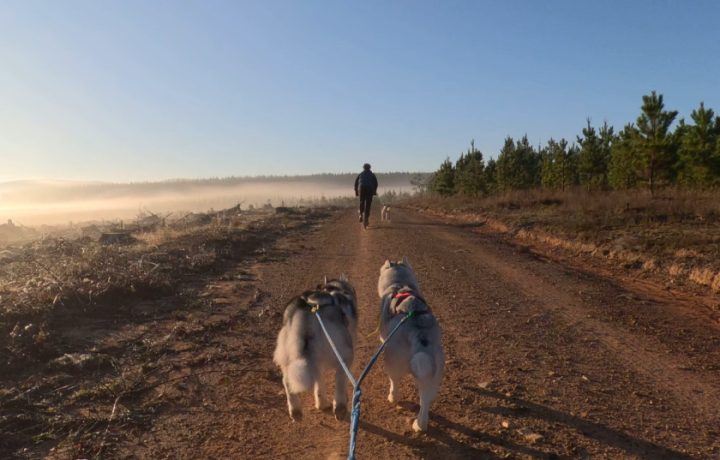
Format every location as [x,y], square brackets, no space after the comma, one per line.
[386,264]
[325,280]
[406,261]
[343,277]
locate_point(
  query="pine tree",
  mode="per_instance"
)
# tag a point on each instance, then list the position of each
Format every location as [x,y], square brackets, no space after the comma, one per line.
[654,141]
[469,172]
[566,159]
[625,165]
[573,162]
[699,162]
[518,165]
[594,156]
[490,176]
[506,165]
[530,164]
[548,168]
[558,168]
[459,170]
[444,180]
[607,138]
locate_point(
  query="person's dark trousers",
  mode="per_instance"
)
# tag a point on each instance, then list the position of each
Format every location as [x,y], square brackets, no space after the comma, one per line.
[365,202]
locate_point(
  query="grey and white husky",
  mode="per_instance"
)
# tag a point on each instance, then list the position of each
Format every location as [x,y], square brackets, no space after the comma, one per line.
[416,347]
[303,352]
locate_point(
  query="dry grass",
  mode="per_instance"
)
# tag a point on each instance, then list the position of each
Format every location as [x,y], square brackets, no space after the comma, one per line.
[677,232]
[61,298]
[58,277]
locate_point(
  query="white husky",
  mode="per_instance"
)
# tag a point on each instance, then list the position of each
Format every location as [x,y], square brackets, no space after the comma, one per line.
[303,352]
[385,214]
[416,347]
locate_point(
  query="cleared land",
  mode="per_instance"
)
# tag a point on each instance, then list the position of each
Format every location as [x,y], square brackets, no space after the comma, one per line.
[548,356]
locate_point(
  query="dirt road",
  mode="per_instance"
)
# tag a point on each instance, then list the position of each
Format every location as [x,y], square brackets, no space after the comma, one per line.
[543,360]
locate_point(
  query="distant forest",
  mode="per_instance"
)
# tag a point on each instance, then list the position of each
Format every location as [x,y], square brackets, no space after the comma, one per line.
[648,153]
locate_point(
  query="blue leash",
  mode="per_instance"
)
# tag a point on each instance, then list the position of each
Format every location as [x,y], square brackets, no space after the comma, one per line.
[355,414]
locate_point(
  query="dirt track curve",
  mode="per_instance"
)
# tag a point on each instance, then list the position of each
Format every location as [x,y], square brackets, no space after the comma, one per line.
[534,347]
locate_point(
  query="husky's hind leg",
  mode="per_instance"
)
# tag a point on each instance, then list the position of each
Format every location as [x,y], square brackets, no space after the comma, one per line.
[340,403]
[293,400]
[392,370]
[321,401]
[428,391]
[394,393]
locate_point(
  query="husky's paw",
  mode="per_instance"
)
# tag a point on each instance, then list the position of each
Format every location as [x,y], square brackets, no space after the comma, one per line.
[296,415]
[340,412]
[323,405]
[418,428]
[392,397]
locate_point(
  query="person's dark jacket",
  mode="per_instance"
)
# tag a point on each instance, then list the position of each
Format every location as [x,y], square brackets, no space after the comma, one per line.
[366,182]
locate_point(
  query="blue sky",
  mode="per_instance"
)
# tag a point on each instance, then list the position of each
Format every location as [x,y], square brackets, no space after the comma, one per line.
[143,90]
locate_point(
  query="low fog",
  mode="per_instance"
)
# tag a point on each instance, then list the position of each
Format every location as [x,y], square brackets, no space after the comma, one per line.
[34,203]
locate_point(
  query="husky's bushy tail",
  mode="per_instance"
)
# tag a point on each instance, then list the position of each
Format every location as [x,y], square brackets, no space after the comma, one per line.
[300,375]
[422,363]
[301,372]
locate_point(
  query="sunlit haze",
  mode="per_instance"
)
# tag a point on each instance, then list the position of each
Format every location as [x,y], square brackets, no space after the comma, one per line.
[60,202]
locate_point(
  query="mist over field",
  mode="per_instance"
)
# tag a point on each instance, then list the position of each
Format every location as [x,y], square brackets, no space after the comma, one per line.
[33,203]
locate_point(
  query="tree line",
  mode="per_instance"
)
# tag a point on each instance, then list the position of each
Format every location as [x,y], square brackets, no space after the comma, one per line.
[648,153]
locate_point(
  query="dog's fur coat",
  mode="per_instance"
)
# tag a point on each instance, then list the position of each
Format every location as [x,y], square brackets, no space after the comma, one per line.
[303,352]
[416,347]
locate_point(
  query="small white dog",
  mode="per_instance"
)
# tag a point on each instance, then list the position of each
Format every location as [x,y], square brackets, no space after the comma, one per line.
[303,352]
[416,347]
[385,214]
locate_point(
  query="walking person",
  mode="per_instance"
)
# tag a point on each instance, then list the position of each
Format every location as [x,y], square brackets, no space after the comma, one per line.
[366,185]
